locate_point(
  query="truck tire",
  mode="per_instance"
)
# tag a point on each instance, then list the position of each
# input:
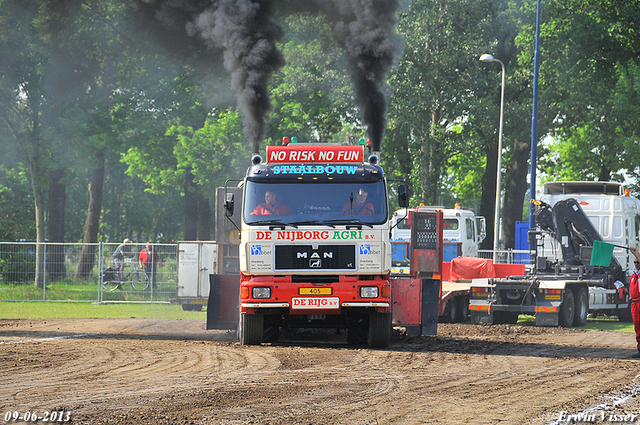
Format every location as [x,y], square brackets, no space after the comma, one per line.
[379,330]
[250,329]
[451,311]
[192,307]
[357,329]
[463,309]
[567,310]
[624,314]
[271,329]
[581,306]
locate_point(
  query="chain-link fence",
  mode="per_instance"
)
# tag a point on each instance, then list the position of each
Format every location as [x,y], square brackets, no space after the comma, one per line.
[86,272]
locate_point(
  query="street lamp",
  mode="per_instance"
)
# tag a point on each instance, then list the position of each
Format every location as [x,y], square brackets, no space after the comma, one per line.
[496,220]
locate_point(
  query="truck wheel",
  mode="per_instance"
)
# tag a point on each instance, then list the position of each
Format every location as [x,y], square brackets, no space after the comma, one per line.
[271,329]
[192,307]
[582,306]
[379,330]
[250,329]
[463,309]
[357,327]
[624,314]
[451,311]
[567,310]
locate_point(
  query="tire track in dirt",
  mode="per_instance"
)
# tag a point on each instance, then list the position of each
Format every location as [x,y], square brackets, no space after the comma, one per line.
[105,372]
[136,371]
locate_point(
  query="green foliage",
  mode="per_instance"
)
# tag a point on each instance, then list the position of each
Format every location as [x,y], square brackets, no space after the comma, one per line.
[18,266]
[16,206]
[590,82]
[212,154]
[313,94]
[431,111]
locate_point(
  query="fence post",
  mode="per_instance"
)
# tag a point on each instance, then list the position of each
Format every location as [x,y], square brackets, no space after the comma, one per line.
[100,267]
[44,274]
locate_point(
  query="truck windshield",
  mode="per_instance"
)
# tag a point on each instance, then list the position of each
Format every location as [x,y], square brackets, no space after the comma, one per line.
[311,203]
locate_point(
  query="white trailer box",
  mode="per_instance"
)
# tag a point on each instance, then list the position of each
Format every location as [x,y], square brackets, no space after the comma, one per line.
[196,261]
[612,211]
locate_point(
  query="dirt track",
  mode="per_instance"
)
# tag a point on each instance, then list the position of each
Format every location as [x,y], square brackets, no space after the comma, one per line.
[174,372]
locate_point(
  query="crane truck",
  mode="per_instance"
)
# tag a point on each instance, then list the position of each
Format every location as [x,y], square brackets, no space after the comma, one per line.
[313,253]
[562,290]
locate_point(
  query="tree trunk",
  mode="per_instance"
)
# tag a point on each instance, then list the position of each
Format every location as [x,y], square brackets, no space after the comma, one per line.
[488,197]
[432,158]
[37,177]
[56,267]
[40,230]
[92,222]
[204,218]
[515,190]
[190,209]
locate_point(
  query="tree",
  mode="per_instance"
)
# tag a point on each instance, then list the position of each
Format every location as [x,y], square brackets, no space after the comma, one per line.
[591,44]
[435,86]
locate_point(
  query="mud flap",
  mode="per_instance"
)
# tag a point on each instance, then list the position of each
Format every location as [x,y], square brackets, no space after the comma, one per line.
[481,317]
[430,301]
[547,319]
[223,304]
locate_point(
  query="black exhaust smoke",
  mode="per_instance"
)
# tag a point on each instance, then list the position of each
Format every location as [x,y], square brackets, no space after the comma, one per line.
[367,29]
[243,28]
[246,32]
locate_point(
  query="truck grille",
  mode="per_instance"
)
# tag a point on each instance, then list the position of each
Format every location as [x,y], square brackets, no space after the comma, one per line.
[324,257]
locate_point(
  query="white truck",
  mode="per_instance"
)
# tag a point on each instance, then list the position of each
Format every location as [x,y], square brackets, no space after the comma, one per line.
[314,250]
[610,208]
[566,284]
[462,232]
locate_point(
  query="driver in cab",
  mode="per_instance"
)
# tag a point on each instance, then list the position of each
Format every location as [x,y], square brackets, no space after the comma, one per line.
[358,205]
[271,206]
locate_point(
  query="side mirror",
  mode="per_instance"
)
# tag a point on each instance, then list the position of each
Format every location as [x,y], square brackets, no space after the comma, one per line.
[482,228]
[403,196]
[228,205]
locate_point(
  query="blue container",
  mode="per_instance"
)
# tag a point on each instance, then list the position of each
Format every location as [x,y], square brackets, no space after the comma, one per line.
[450,250]
[522,242]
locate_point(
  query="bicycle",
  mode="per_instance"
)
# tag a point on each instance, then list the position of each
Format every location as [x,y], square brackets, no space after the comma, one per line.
[137,277]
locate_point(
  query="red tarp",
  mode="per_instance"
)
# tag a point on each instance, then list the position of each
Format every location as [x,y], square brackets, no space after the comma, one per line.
[471,268]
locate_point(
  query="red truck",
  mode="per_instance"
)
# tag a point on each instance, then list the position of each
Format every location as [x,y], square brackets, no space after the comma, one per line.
[314,246]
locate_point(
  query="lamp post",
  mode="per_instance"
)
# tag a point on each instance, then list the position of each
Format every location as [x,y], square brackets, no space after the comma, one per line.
[496,219]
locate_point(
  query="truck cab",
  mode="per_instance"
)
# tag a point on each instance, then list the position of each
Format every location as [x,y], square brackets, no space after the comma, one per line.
[314,248]
[610,208]
[462,232]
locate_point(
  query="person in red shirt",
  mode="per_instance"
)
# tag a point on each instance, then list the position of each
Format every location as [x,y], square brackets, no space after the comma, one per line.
[148,259]
[271,206]
[359,205]
[634,293]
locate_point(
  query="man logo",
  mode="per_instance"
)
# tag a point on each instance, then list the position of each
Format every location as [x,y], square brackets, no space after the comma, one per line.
[365,249]
[315,264]
[256,249]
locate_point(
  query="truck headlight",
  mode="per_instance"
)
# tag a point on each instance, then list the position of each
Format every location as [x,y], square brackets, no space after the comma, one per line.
[369,292]
[261,292]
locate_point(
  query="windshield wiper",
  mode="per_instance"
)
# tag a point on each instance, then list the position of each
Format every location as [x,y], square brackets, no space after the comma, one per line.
[349,223]
[318,222]
[274,224]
